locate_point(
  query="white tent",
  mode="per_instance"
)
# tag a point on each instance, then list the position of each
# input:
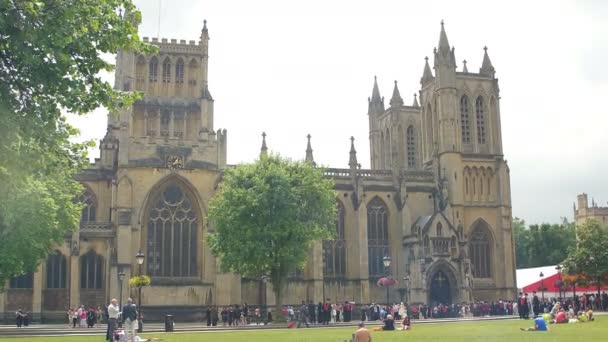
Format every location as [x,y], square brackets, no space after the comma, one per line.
[527,276]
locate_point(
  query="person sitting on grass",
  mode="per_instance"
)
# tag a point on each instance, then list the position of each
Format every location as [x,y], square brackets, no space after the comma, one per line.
[389,324]
[589,316]
[539,325]
[561,317]
[362,334]
[407,323]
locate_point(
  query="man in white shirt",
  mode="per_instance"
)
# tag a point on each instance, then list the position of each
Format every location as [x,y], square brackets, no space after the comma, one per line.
[113,311]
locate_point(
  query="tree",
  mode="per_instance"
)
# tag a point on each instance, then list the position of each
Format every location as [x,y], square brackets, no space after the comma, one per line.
[544,244]
[50,59]
[590,255]
[267,216]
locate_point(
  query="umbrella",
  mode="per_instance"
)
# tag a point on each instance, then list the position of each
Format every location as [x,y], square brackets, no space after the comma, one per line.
[387,281]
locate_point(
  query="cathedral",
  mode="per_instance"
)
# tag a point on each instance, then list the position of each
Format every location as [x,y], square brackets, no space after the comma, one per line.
[433,212]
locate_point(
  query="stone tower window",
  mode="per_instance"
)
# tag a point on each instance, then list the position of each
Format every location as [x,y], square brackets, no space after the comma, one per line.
[166,70]
[56,271]
[179,71]
[464,120]
[153,70]
[334,251]
[89,208]
[25,281]
[411,148]
[172,233]
[91,271]
[377,236]
[479,251]
[481,123]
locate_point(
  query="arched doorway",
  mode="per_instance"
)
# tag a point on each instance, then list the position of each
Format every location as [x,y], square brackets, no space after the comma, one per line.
[441,291]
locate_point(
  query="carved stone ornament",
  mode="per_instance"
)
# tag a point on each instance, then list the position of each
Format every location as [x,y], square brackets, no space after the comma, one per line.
[175,162]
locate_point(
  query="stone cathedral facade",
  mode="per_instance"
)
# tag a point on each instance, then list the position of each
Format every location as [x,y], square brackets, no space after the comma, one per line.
[436,199]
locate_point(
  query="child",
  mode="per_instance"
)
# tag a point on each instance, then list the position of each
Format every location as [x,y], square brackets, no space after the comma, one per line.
[539,325]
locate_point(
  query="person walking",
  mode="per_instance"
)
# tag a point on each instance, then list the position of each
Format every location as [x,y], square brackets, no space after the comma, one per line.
[19,314]
[113,311]
[129,317]
[303,315]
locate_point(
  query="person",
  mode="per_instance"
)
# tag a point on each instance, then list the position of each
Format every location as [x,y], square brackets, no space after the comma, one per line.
[91,317]
[389,323]
[347,311]
[113,311]
[535,304]
[407,323]
[539,325]
[311,312]
[208,316]
[19,314]
[82,316]
[129,317]
[362,334]
[303,315]
[589,315]
[561,317]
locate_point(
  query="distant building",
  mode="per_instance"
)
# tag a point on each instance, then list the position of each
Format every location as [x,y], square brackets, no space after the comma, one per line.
[586,212]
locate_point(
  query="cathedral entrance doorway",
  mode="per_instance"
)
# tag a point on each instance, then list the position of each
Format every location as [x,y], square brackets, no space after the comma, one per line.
[440,289]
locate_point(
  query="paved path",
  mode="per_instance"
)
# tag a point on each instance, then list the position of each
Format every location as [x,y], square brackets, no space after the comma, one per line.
[63,330]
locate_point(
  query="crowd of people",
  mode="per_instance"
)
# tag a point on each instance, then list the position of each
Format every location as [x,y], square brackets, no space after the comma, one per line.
[82,317]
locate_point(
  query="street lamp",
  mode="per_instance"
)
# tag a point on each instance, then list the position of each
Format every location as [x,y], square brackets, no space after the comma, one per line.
[542,285]
[121,277]
[572,271]
[387,262]
[139,257]
[558,268]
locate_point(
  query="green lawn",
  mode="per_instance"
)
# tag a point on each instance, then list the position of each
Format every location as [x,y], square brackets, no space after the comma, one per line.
[465,331]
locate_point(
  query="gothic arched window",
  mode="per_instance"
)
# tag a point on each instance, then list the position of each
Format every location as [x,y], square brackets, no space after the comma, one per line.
[179,71]
[480,251]
[25,281]
[334,251]
[153,70]
[464,120]
[91,271]
[377,236]
[411,147]
[56,271]
[166,70]
[481,121]
[172,233]
[387,150]
[89,209]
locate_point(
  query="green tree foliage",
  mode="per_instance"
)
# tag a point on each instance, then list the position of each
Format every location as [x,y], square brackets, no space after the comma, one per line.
[50,60]
[541,245]
[589,255]
[267,216]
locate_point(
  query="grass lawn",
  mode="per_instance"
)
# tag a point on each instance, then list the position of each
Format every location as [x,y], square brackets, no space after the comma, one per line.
[464,331]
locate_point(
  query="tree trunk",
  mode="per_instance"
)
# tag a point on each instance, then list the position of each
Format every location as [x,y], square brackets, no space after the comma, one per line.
[278,298]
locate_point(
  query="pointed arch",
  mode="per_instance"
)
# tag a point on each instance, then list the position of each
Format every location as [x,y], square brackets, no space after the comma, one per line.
[173,221]
[89,209]
[179,71]
[377,236]
[411,147]
[387,150]
[56,271]
[334,251]
[428,119]
[481,120]
[153,69]
[91,271]
[465,125]
[382,149]
[480,249]
[166,76]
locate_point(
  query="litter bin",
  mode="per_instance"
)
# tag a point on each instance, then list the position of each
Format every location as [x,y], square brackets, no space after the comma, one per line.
[168,323]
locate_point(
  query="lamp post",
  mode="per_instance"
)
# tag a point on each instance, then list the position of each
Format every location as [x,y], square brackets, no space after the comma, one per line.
[572,271]
[121,277]
[139,257]
[542,285]
[387,262]
[406,284]
[558,268]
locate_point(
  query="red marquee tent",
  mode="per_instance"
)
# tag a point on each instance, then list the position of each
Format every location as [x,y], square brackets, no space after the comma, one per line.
[550,283]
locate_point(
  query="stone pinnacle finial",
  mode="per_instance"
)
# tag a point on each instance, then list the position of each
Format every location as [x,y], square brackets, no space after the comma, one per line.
[415,104]
[309,157]
[487,69]
[396,100]
[352,161]
[264,149]
[204,24]
[464,68]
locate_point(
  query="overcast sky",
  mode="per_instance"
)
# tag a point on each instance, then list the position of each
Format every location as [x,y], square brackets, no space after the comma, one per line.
[290,68]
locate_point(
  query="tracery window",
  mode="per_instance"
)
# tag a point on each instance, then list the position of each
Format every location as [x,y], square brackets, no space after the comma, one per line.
[172,233]
[89,209]
[479,251]
[91,271]
[179,71]
[464,120]
[166,70]
[153,70]
[411,148]
[334,251]
[25,281]
[481,121]
[56,271]
[377,236]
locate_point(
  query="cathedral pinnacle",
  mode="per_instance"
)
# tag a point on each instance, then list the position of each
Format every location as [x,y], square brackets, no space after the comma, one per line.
[352,161]
[309,157]
[264,149]
[415,104]
[396,100]
[376,103]
[444,45]
[204,31]
[486,66]
[427,75]
[464,68]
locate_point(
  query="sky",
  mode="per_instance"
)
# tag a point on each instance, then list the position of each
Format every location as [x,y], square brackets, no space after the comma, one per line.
[292,68]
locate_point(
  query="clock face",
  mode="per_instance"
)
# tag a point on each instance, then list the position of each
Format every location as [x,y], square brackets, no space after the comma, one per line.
[175,162]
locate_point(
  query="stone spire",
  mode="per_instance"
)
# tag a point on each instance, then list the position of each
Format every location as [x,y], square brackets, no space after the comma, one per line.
[444,45]
[396,100]
[309,157]
[486,66]
[443,54]
[352,161]
[376,103]
[204,32]
[415,104]
[427,74]
[264,149]
[464,66]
